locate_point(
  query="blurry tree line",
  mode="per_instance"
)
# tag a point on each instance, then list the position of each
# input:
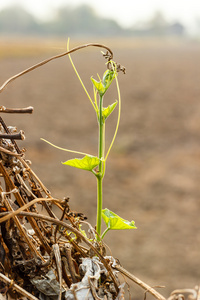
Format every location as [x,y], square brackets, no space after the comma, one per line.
[81,21]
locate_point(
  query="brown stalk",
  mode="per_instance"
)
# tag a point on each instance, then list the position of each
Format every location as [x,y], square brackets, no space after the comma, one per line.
[38,194]
[16,287]
[67,252]
[21,203]
[24,207]
[145,286]
[57,256]
[55,57]
[13,136]
[35,176]
[9,152]
[26,110]
[22,232]
[8,132]
[50,212]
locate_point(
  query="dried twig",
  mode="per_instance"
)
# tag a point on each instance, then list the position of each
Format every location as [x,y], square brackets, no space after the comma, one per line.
[109,57]
[21,202]
[14,136]
[8,132]
[17,287]
[25,206]
[9,152]
[57,255]
[26,110]
[21,229]
[179,294]
[145,286]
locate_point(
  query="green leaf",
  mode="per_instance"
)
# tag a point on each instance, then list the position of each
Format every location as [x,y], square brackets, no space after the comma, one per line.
[108,77]
[88,162]
[114,222]
[102,85]
[99,86]
[108,110]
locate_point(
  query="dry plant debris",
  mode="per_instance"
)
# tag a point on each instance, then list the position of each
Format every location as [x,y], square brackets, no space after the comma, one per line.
[44,256]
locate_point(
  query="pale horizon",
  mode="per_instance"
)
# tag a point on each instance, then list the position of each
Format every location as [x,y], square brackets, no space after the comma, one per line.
[126,14]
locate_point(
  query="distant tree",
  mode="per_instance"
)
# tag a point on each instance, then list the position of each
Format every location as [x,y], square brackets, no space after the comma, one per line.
[176,29]
[158,23]
[81,21]
[16,20]
[78,20]
[158,26]
[197,27]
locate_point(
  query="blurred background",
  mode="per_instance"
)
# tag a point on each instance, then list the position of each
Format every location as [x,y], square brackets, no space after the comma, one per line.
[153,171]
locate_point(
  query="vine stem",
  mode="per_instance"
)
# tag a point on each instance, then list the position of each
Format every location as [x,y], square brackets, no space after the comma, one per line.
[52,58]
[104,233]
[101,168]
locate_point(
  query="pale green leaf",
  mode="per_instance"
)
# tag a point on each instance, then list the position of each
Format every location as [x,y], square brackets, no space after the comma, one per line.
[102,85]
[108,110]
[108,77]
[99,86]
[88,162]
[114,222]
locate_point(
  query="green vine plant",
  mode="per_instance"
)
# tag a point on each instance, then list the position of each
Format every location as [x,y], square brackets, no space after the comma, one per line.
[97,164]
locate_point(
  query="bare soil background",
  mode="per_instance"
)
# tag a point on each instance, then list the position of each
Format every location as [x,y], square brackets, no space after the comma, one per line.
[153,172]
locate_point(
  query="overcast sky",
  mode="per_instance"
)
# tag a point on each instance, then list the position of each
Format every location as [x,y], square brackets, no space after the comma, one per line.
[126,12]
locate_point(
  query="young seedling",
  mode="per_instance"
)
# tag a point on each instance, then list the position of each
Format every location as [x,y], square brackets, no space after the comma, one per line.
[97,164]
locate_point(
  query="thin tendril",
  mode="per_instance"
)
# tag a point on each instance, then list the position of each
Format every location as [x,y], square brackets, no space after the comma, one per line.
[75,70]
[118,119]
[63,149]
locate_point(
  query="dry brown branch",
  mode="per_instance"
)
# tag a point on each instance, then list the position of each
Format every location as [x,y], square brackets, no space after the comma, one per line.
[109,56]
[192,294]
[21,229]
[143,285]
[35,176]
[25,206]
[9,152]
[15,136]
[16,287]
[21,202]
[27,110]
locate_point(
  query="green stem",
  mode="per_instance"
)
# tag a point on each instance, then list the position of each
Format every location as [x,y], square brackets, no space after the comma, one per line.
[99,206]
[101,168]
[105,231]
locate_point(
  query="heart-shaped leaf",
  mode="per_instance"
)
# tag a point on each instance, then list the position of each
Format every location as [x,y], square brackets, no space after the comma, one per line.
[114,222]
[88,162]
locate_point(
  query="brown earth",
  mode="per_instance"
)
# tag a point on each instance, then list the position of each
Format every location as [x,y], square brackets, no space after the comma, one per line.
[153,171]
